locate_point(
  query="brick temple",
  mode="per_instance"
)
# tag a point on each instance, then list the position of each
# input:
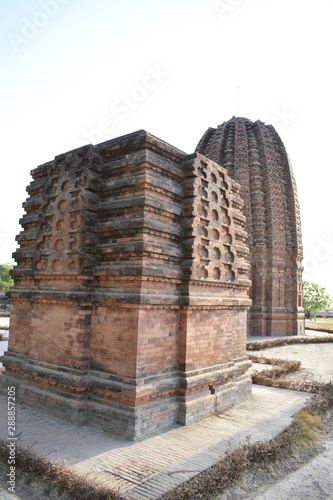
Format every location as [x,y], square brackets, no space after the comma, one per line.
[129,308]
[256,158]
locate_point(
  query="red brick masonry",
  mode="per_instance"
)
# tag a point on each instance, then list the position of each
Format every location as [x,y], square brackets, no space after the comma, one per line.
[131,288]
[255,156]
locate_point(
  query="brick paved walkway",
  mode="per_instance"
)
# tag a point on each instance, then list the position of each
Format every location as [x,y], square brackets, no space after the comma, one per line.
[147,469]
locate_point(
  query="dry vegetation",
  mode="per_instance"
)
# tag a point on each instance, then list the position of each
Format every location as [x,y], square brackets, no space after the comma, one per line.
[266,344]
[58,478]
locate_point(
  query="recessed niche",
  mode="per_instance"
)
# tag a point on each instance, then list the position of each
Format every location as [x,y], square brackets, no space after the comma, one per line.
[230,276]
[216,273]
[213,196]
[60,224]
[65,185]
[215,215]
[215,234]
[226,220]
[62,204]
[59,244]
[216,253]
[74,223]
[73,245]
[56,264]
[202,230]
[72,265]
[203,192]
[227,239]
[213,178]
[229,257]
[202,210]
[202,251]
[202,272]
[203,173]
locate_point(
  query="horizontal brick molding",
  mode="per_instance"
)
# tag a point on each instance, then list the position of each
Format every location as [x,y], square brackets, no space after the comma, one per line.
[130,296]
[256,158]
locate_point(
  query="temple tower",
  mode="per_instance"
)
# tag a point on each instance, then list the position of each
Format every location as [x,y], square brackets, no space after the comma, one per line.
[130,296]
[256,158]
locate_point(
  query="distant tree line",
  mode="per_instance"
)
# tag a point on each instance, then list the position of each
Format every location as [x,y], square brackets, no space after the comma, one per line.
[5,280]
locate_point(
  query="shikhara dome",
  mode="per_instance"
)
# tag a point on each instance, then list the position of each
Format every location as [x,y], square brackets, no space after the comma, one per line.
[254,155]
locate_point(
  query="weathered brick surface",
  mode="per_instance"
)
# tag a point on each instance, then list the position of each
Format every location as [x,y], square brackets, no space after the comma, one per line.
[131,288]
[256,158]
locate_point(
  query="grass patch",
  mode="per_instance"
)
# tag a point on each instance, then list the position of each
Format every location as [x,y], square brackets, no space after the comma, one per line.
[308,423]
[321,325]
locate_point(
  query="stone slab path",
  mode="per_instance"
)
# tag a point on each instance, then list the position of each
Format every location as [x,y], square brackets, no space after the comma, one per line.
[147,469]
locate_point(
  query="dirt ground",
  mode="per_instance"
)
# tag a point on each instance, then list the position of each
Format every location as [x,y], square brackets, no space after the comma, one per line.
[309,473]
[305,475]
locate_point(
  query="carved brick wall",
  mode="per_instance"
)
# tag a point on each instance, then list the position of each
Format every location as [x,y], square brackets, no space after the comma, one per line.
[255,157]
[131,288]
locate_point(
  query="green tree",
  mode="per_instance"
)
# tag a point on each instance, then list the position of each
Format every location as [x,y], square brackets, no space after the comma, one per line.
[315,297]
[5,280]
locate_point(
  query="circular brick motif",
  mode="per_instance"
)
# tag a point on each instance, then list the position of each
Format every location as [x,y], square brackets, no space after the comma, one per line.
[216,253]
[215,234]
[73,245]
[72,266]
[216,273]
[229,257]
[62,204]
[202,272]
[226,220]
[215,215]
[74,223]
[202,251]
[202,210]
[203,192]
[60,224]
[59,244]
[230,276]
[202,230]
[65,185]
[227,238]
[56,265]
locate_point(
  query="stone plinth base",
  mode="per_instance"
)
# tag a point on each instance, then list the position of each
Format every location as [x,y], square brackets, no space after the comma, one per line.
[199,396]
[129,306]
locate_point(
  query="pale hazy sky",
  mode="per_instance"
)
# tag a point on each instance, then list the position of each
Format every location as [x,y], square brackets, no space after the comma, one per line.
[79,71]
